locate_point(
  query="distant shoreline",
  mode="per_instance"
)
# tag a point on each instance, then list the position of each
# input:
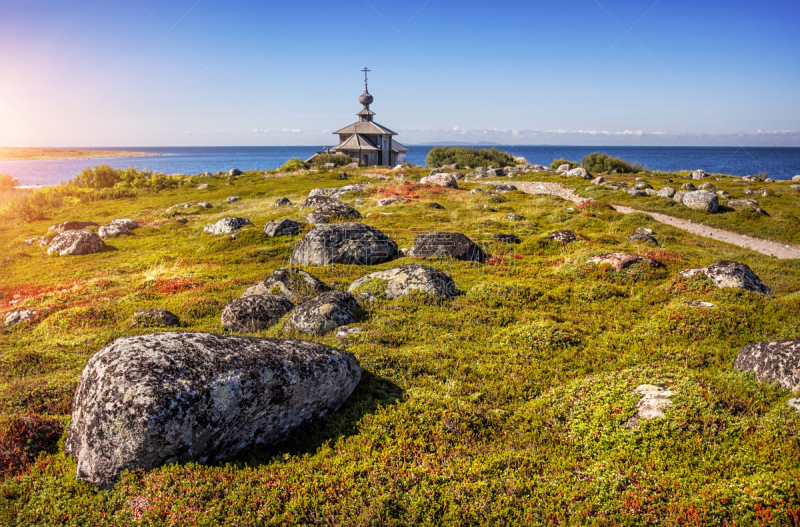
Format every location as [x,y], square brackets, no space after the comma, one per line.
[57,154]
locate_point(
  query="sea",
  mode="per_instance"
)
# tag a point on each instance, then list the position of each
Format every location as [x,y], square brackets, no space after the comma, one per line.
[777,162]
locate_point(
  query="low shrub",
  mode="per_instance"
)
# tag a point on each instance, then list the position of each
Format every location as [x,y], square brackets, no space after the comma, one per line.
[337,159]
[558,162]
[469,157]
[597,162]
[7,182]
[293,164]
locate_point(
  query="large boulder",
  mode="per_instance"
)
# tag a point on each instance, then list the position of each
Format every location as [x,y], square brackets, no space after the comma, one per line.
[579,172]
[327,208]
[481,172]
[701,200]
[452,244]
[163,398]
[698,175]
[350,243]
[284,227]
[731,274]
[295,284]
[75,243]
[234,172]
[495,172]
[324,313]
[563,169]
[620,261]
[226,225]
[678,197]
[112,231]
[666,192]
[402,280]
[71,226]
[776,361]
[254,313]
[441,180]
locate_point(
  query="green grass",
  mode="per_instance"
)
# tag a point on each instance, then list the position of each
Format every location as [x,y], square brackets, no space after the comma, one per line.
[503,405]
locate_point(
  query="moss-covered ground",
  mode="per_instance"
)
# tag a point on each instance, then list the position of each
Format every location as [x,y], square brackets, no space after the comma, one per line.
[504,405]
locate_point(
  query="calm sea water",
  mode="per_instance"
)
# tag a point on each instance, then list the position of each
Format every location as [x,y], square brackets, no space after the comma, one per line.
[779,163]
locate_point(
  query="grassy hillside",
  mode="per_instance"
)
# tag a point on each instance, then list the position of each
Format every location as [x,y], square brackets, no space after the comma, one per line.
[504,405]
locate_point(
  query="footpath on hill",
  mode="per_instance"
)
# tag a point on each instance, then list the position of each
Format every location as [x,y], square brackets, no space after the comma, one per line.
[767,247]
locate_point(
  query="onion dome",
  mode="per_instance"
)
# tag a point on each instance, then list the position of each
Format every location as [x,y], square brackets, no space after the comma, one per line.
[365,99]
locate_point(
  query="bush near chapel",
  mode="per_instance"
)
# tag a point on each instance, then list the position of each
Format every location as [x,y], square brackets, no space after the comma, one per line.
[597,162]
[469,157]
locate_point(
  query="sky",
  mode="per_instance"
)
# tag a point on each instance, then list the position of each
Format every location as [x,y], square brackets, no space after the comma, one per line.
[574,72]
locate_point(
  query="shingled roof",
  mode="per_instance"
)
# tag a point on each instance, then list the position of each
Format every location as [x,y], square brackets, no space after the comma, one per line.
[397,147]
[365,127]
[356,142]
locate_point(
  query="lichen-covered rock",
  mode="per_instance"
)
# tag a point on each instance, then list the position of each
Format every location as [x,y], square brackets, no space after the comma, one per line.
[433,205]
[254,313]
[154,317]
[295,284]
[579,172]
[666,192]
[402,280]
[495,172]
[506,237]
[18,316]
[563,169]
[751,203]
[204,204]
[731,274]
[702,200]
[688,187]
[599,180]
[505,187]
[481,172]
[71,226]
[232,199]
[440,180]
[775,361]
[562,236]
[234,172]
[73,242]
[643,238]
[324,313]
[226,225]
[282,202]
[350,243]
[335,193]
[284,227]
[453,244]
[126,222]
[163,398]
[678,197]
[112,231]
[620,261]
[327,208]
[708,186]
[698,174]
[654,400]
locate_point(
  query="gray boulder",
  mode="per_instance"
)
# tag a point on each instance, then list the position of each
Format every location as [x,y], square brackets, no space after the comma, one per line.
[643,238]
[335,193]
[506,237]
[637,193]
[666,192]
[204,204]
[702,200]
[650,192]
[481,172]
[203,186]
[688,187]
[125,222]
[443,244]
[282,202]
[708,186]
[295,284]
[154,317]
[75,243]
[563,169]
[232,199]
[598,180]
[697,175]
[678,197]
[71,226]
[775,361]
[441,180]
[402,280]
[579,173]
[254,313]
[642,185]
[562,236]
[18,316]
[164,398]
[284,227]
[731,274]
[350,243]
[327,208]
[433,205]
[751,203]
[795,178]
[505,187]
[324,313]
[226,225]
[112,231]
[234,172]
[495,172]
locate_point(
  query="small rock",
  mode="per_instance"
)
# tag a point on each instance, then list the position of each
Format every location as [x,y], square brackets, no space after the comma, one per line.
[203,186]
[698,174]
[645,231]
[389,201]
[642,185]
[19,316]
[326,209]
[253,313]
[205,205]
[702,200]
[688,187]
[563,169]
[620,261]
[75,242]
[226,225]
[637,193]
[708,186]
[403,280]
[698,303]
[282,202]
[654,400]
[346,331]
[477,191]
[324,313]
[562,236]
[495,172]
[440,180]
[643,238]
[231,199]
[234,172]
[443,244]
[433,205]
[506,237]
[514,217]
[148,317]
[284,227]
[505,187]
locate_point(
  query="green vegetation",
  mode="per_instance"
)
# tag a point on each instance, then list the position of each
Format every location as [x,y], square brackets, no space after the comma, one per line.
[504,405]
[469,157]
[7,182]
[337,159]
[597,162]
[558,162]
[293,164]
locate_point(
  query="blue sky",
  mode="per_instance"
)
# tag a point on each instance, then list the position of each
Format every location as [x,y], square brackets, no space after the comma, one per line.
[582,72]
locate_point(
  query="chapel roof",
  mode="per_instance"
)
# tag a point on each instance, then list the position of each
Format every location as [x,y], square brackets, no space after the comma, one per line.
[366,128]
[356,142]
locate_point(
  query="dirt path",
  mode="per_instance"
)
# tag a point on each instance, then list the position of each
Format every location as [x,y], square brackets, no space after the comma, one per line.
[767,247]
